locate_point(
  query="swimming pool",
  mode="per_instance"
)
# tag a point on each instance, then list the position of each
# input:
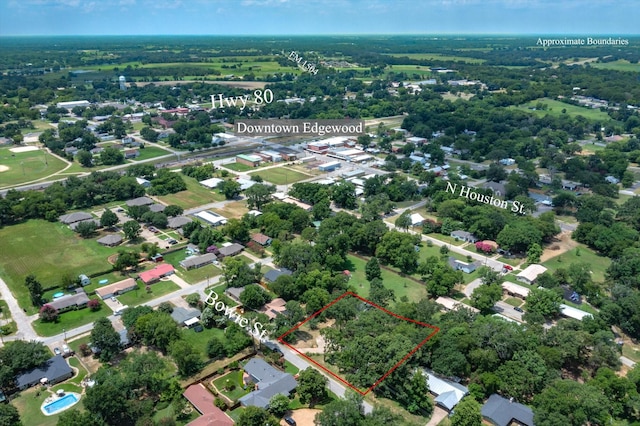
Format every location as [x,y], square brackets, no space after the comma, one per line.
[57,295]
[61,404]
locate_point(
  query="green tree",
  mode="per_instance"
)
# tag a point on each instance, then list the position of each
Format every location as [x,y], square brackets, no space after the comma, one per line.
[157,329]
[258,195]
[76,417]
[467,413]
[372,269]
[254,297]
[85,158]
[379,294]
[278,405]
[126,259]
[534,253]
[485,296]
[541,301]
[311,386]
[105,337]
[131,229]
[342,412]
[215,348]
[108,219]
[256,416]
[230,189]
[35,289]
[86,229]
[9,415]
[186,357]
[398,249]
[404,220]
[173,210]
[344,195]
[237,229]
[111,156]
[567,402]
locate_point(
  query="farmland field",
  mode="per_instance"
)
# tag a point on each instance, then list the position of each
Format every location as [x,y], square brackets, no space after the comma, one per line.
[21,167]
[555,108]
[619,65]
[438,57]
[58,250]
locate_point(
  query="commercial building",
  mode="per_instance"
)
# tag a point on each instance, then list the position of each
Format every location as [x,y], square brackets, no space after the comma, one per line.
[248,160]
[330,166]
[211,218]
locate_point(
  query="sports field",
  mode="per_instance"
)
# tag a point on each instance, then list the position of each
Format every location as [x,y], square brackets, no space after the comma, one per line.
[47,250]
[555,108]
[281,175]
[19,167]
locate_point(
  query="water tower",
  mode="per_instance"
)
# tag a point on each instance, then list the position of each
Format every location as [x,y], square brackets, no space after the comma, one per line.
[122,81]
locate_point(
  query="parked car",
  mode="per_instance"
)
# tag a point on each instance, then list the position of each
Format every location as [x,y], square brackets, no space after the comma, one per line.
[172,241]
[153,229]
[66,351]
[518,309]
[113,299]
[57,351]
[507,267]
[290,421]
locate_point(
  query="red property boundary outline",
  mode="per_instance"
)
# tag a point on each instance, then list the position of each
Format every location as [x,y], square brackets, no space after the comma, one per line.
[350,293]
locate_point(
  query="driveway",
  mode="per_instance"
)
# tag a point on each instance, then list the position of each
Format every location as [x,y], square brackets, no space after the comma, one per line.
[468,289]
[508,311]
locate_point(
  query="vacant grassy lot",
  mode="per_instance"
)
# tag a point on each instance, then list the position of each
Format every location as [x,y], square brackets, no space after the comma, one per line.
[555,108]
[70,319]
[47,250]
[140,295]
[438,57]
[151,152]
[238,167]
[580,254]
[200,340]
[281,175]
[401,286]
[195,195]
[20,167]
[619,65]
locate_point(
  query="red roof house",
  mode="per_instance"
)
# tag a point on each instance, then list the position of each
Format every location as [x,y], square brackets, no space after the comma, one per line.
[153,275]
[202,400]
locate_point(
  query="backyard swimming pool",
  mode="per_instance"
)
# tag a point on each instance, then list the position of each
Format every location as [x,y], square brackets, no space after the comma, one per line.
[61,404]
[57,295]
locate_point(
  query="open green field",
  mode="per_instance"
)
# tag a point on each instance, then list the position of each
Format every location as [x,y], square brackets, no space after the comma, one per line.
[200,340]
[438,57]
[619,65]
[47,250]
[424,70]
[281,175]
[21,167]
[555,108]
[140,295]
[195,195]
[238,167]
[580,254]
[70,319]
[151,152]
[401,286]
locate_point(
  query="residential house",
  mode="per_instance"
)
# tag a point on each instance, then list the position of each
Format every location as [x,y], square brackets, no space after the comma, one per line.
[111,240]
[273,274]
[416,219]
[571,312]
[115,289]
[68,302]
[464,236]
[157,208]
[182,316]
[530,273]
[467,268]
[131,153]
[144,182]
[268,382]
[569,185]
[498,188]
[74,225]
[53,371]
[501,411]
[140,201]
[260,238]
[234,293]
[450,304]
[203,401]
[613,180]
[515,290]
[153,275]
[273,308]
[448,394]
[178,222]
[245,183]
[70,218]
[507,161]
[231,249]
[194,262]
[211,183]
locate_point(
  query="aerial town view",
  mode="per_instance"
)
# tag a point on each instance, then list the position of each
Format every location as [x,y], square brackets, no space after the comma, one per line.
[319,213]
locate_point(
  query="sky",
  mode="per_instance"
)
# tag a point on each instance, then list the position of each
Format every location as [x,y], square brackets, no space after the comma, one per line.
[310,17]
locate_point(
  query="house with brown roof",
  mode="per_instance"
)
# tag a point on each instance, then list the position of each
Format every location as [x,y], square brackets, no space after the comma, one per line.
[273,308]
[116,288]
[111,240]
[260,238]
[202,400]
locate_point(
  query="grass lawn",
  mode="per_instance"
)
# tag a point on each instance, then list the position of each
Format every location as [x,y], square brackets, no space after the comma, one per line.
[5,314]
[28,404]
[27,166]
[438,57]
[290,368]
[580,254]
[47,250]
[554,108]
[281,175]
[238,167]
[619,65]
[170,413]
[631,351]
[513,301]
[151,152]
[191,276]
[200,340]
[235,377]
[400,285]
[140,295]
[82,372]
[195,195]
[76,343]
[447,239]
[69,320]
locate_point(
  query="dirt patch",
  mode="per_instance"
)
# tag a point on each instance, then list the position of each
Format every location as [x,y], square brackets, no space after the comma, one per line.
[303,417]
[24,149]
[308,338]
[560,244]
[3,168]
[234,209]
